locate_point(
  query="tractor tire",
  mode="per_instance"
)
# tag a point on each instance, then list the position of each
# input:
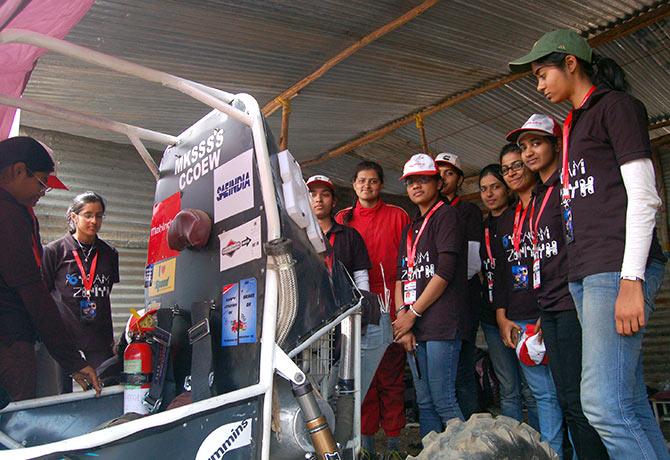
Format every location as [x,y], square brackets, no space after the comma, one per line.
[485,438]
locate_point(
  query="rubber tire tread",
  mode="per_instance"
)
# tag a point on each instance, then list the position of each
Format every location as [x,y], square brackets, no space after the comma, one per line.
[484,437]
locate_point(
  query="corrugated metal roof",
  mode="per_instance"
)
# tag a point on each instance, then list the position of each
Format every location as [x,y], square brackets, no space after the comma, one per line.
[263,47]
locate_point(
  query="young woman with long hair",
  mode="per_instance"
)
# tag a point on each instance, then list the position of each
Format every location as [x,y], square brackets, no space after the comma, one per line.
[609,203]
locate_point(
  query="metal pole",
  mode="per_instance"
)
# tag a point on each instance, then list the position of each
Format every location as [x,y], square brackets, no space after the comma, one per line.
[286,110]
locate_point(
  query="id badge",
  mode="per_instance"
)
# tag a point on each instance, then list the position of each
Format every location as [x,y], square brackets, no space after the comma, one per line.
[536,273]
[87,310]
[567,223]
[409,292]
[519,277]
[489,282]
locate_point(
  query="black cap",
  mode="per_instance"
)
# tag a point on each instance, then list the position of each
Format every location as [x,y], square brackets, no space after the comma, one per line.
[34,154]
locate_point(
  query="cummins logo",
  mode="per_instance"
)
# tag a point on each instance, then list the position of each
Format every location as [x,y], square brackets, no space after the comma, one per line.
[224,439]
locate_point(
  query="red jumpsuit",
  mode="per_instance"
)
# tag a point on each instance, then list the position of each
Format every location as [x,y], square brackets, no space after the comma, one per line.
[381,229]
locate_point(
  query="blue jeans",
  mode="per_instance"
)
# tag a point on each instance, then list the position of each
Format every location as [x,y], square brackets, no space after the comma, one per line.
[374,343]
[513,386]
[548,409]
[436,388]
[613,393]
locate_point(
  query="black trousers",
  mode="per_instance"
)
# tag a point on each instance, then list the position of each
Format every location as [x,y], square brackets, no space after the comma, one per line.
[563,339]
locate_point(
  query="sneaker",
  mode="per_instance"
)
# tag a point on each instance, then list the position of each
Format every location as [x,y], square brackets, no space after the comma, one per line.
[395,455]
[367,455]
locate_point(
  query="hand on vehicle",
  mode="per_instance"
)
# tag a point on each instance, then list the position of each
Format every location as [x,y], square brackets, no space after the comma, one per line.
[403,324]
[87,378]
[629,308]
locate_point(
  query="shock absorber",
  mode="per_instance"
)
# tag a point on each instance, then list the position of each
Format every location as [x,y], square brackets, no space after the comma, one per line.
[317,425]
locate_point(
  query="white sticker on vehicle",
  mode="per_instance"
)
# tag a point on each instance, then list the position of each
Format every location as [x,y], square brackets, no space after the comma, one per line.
[228,437]
[234,186]
[240,245]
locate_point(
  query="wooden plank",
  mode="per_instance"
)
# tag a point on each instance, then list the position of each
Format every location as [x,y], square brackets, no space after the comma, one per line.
[619,30]
[291,92]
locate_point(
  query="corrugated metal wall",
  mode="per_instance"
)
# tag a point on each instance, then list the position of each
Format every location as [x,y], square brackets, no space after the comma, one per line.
[657,339]
[117,173]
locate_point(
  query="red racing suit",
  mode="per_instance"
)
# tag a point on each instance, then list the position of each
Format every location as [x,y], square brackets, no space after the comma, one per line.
[381,228]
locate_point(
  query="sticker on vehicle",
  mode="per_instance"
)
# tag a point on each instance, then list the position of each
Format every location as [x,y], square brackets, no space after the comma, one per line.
[228,437]
[163,278]
[163,215]
[234,186]
[240,245]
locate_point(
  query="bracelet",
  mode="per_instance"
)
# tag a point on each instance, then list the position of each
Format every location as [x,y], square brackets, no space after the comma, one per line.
[416,313]
[403,308]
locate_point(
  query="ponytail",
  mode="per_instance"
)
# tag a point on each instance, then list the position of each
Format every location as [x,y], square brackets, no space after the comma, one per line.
[604,71]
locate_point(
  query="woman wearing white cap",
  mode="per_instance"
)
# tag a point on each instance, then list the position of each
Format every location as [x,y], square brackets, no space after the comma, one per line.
[452,175]
[430,295]
[540,142]
[609,203]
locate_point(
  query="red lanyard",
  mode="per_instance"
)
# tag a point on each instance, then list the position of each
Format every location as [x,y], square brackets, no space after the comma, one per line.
[455,201]
[87,280]
[411,246]
[36,246]
[487,242]
[539,214]
[567,125]
[329,257]
[518,228]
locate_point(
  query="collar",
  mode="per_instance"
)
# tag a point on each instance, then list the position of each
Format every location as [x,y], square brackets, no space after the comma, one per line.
[598,94]
[419,218]
[336,228]
[366,211]
[8,197]
[542,186]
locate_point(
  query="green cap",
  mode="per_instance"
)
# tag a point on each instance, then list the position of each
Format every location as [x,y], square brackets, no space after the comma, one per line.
[559,41]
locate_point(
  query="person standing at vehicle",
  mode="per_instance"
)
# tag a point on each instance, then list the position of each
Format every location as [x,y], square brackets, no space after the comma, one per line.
[380,224]
[540,142]
[608,204]
[80,270]
[430,294]
[26,308]
[513,388]
[471,216]
[348,247]
[514,297]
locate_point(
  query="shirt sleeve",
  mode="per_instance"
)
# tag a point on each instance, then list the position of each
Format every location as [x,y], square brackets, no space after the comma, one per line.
[50,264]
[643,201]
[360,257]
[116,277]
[19,270]
[626,122]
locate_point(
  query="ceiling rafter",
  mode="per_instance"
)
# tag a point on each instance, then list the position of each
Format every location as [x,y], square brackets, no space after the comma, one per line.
[613,31]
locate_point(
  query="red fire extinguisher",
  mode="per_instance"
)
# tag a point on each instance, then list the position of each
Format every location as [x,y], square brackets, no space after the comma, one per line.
[137,367]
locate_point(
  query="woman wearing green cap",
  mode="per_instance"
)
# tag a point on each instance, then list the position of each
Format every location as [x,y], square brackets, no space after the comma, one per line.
[615,264]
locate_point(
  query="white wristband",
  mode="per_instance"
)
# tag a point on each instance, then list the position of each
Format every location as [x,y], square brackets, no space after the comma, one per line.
[416,313]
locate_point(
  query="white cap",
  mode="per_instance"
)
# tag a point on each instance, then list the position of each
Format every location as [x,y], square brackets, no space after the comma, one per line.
[450,158]
[322,180]
[531,350]
[539,124]
[419,165]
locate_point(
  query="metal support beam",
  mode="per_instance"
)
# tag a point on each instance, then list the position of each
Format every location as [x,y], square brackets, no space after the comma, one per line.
[422,133]
[272,106]
[619,30]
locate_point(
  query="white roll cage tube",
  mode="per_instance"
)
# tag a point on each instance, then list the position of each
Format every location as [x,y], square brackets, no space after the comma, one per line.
[218,100]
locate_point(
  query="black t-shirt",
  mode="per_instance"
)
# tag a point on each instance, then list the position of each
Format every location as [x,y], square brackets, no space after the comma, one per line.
[443,234]
[520,302]
[553,294]
[607,132]
[471,218]
[64,281]
[349,248]
[488,312]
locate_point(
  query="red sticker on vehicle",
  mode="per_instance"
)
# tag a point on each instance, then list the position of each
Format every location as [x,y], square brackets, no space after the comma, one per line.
[163,215]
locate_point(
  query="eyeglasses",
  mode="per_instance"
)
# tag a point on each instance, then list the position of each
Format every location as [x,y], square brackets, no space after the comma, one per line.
[91,216]
[43,185]
[421,180]
[371,181]
[516,166]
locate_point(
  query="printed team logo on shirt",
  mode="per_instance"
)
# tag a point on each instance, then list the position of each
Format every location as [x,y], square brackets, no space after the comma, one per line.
[102,285]
[546,246]
[422,267]
[583,185]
